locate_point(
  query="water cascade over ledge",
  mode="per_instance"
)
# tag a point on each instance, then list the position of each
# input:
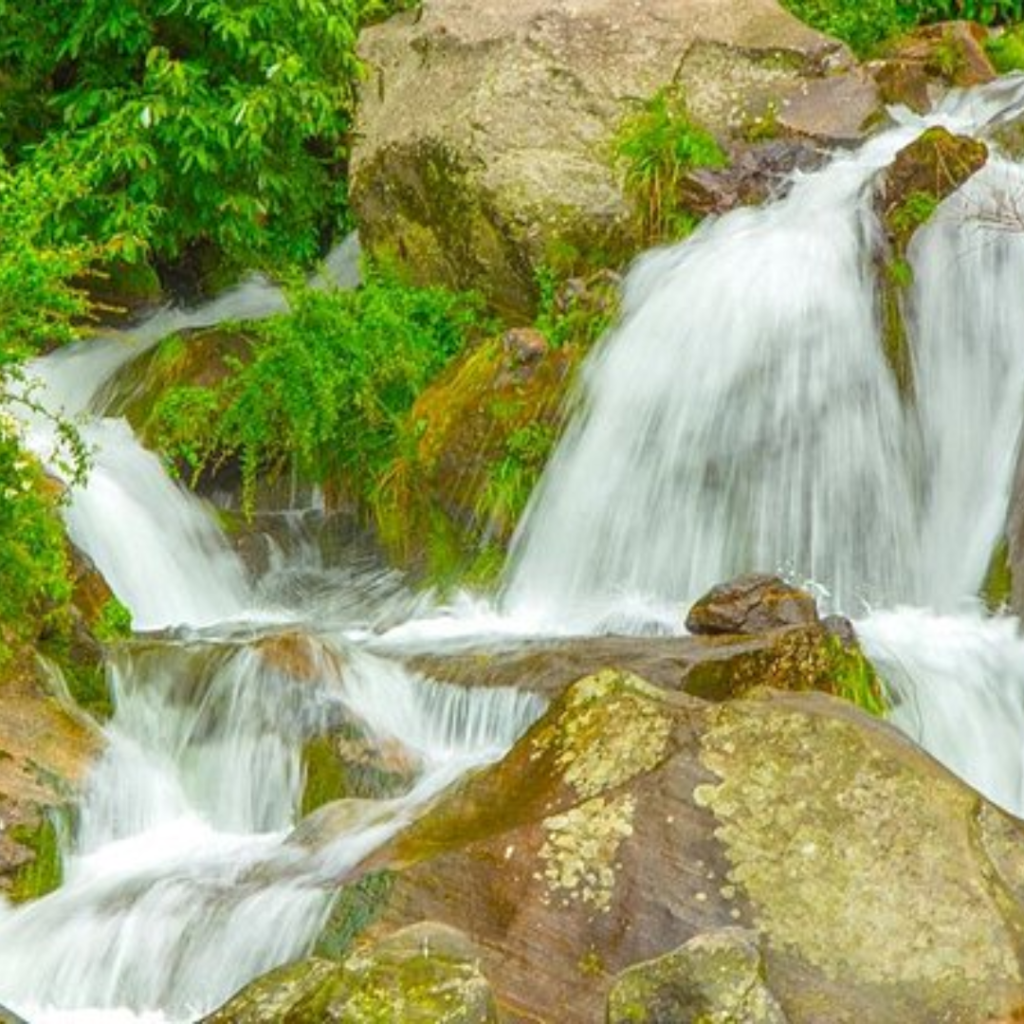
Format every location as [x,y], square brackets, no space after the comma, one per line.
[741,417]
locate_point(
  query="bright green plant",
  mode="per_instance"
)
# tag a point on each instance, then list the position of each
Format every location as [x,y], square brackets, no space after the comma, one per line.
[228,118]
[865,24]
[325,388]
[657,146]
[511,479]
[1006,50]
[916,209]
[577,310]
[40,306]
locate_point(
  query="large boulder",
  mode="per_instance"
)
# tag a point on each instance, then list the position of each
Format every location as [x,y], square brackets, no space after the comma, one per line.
[484,133]
[629,821]
[424,974]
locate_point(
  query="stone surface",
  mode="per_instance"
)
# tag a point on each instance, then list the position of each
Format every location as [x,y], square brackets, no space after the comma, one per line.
[922,65]
[754,603]
[715,978]
[628,821]
[796,658]
[425,974]
[46,749]
[922,174]
[512,153]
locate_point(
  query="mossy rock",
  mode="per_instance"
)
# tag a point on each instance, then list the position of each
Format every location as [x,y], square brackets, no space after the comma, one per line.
[46,748]
[424,974]
[922,174]
[496,408]
[628,821]
[715,978]
[916,68]
[200,358]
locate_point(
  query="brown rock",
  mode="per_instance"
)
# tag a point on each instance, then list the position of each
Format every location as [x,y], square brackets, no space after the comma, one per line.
[751,604]
[629,821]
[512,154]
[924,63]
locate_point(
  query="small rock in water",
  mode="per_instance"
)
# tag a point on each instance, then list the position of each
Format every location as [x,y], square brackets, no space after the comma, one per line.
[754,603]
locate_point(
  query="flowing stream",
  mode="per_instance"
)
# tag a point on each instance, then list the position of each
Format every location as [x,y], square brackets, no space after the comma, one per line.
[740,417]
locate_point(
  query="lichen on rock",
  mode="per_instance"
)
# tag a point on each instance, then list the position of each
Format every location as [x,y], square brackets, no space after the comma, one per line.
[854,858]
[580,848]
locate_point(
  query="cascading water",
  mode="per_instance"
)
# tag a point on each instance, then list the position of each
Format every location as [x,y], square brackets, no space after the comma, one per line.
[741,417]
[184,878]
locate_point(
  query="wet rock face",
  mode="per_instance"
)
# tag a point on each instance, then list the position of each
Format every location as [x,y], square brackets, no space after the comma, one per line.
[45,752]
[424,974]
[751,604]
[631,824]
[511,153]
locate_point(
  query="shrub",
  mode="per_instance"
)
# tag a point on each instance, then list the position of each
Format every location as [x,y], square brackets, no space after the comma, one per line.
[325,388]
[656,147]
[228,120]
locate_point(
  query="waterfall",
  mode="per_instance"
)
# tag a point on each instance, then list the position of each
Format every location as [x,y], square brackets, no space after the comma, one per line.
[185,876]
[742,417]
[742,414]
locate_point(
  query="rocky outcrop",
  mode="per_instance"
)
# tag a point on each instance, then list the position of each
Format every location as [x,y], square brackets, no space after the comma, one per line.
[923,173]
[476,440]
[424,974]
[760,632]
[919,67]
[45,750]
[484,135]
[754,603]
[630,822]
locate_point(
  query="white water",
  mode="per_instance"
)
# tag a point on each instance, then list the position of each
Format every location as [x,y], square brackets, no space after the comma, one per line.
[740,418]
[182,883]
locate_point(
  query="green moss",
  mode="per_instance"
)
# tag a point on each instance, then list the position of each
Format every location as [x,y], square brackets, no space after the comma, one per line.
[88,687]
[114,622]
[997,587]
[356,907]
[791,660]
[1006,50]
[44,872]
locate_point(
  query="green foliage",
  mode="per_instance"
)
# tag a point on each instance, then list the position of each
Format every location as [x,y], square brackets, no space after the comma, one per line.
[1006,50]
[864,24]
[657,146]
[34,564]
[203,122]
[114,623]
[45,871]
[854,679]
[41,305]
[325,388]
[511,479]
[916,209]
[575,311]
